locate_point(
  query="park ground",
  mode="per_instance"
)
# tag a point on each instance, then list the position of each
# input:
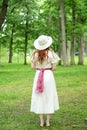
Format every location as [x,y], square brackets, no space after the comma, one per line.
[15,95]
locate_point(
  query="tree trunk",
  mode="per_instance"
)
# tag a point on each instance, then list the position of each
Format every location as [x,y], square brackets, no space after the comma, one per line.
[72,62]
[10,45]
[85,45]
[3,12]
[86,48]
[64,56]
[26,41]
[67,41]
[68,49]
[0,55]
[59,38]
[81,51]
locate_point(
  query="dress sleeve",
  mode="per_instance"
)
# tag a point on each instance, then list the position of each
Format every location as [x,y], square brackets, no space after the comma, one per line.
[54,57]
[32,57]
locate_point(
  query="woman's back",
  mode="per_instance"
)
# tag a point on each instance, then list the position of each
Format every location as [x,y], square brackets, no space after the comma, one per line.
[47,62]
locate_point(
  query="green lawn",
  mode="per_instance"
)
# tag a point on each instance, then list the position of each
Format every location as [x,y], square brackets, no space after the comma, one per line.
[15,95]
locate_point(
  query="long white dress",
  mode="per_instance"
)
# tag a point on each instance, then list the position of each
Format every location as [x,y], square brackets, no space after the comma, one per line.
[47,101]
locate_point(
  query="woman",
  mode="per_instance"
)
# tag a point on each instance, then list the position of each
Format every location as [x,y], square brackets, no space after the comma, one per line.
[44,95]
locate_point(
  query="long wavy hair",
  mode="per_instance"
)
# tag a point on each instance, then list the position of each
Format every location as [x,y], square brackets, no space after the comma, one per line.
[42,54]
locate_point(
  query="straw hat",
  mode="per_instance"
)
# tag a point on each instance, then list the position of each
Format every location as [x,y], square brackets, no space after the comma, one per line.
[42,42]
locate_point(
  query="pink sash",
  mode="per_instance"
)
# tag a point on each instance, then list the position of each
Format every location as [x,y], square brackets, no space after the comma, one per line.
[40,84]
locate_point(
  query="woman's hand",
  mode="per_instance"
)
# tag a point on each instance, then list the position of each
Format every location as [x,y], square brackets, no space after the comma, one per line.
[54,66]
[32,65]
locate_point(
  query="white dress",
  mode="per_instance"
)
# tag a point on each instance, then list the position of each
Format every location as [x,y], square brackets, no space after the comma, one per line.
[47,101]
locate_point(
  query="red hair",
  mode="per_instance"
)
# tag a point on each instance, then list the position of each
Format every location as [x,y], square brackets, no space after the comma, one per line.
[42,54]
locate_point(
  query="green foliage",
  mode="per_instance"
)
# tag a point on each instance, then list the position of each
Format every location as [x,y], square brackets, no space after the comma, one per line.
[0,3]
[42,17]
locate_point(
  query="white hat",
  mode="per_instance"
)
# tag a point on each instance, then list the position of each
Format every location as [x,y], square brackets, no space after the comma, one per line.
[42,42]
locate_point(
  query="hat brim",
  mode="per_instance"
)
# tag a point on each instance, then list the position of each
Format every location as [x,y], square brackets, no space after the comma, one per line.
[42,47]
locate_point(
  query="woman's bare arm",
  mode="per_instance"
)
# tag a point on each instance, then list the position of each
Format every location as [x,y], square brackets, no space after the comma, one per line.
[32,65]
[53,66]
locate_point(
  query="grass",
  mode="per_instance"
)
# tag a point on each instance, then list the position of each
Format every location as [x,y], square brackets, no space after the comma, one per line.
[15,96]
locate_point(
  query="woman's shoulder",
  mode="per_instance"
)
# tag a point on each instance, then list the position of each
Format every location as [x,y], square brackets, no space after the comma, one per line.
[53,55]
[34,51]
[50,52]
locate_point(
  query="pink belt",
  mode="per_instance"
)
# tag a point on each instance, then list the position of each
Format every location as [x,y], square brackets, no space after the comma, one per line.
[40,84]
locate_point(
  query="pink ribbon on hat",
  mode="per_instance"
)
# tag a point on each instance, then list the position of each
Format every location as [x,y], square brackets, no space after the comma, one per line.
[40,83]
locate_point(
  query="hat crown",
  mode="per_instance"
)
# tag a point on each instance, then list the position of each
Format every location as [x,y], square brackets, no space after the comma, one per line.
[42,40]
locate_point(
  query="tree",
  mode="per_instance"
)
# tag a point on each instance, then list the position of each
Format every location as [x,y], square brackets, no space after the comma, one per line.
[64,54]
[59,31]
[81,50]
[3,12]
[11,44]
[73,32]
[82,20]
[63,20]
[26,38]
